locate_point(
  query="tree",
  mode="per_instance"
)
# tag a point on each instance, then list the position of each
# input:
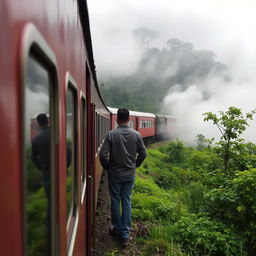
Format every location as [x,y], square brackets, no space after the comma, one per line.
[200,141]
[145,35]
[231,125]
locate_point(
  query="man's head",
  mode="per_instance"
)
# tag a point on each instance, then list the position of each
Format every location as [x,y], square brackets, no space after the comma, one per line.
[122,116]
[42,120]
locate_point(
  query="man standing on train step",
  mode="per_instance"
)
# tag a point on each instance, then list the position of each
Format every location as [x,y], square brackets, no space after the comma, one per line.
[123,150]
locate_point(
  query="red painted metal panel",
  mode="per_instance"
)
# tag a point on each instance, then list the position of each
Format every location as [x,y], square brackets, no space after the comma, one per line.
[113,121]
[146,132]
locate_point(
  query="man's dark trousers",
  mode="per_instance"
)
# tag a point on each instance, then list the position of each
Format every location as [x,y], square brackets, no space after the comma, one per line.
[120,192]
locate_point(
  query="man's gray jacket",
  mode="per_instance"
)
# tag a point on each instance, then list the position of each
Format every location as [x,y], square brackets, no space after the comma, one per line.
[123,150]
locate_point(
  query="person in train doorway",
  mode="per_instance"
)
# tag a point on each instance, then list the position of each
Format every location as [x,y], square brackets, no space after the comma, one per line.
[41,157]
[123,150]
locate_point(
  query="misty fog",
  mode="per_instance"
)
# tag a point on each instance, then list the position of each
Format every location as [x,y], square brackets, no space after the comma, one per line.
[223,31]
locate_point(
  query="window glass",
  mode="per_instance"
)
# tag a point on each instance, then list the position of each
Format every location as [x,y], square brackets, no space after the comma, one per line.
[84,140]
[38,153]
[71,179]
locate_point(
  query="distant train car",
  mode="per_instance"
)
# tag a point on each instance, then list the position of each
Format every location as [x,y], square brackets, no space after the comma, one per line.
[132,122]
[165,126]
[149,125]
[145,124]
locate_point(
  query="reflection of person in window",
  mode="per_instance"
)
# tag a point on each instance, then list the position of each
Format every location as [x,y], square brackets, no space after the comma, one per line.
[41,151]
[41,156]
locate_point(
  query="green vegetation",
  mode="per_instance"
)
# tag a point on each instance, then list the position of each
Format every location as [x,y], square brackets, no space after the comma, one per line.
[189,202]
[36,207]
[231,125]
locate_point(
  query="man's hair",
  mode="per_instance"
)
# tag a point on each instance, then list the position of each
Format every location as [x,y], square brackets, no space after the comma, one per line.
[123,115]
[42,119]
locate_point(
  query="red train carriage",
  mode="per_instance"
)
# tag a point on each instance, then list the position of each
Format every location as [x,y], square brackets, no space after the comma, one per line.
[132,122]
[145,124]
[47,66]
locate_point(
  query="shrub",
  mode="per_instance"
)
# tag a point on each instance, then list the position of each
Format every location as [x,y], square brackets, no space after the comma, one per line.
[193,196]
[142,214]
[166,179]
[175,152]
[203,236]
[159,207]
[185,176]
[203,160]
[156,247]
[236,202]
[146,186]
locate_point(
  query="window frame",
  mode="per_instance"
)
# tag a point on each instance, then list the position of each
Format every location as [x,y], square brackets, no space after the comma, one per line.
[33,44]
[72,220]
[84,140]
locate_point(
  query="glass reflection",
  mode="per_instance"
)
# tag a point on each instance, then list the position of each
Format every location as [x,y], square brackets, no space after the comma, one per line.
[70,145]
[37,159]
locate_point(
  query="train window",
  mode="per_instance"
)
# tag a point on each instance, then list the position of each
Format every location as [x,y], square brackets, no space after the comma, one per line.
[97,130]
[38,155]
[84,144]
[101,127]
[71,178]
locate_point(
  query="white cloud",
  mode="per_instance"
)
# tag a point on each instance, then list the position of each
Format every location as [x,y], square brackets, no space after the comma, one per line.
[226,27]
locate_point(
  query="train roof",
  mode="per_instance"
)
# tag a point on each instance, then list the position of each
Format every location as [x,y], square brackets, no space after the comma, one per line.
[166,116]
[132,113]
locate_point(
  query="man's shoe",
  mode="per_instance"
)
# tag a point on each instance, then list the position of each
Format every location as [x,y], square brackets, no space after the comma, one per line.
[113,232]
[124,242]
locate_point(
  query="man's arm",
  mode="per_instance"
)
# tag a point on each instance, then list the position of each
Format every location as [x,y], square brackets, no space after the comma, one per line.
[69,156]
[105,151]
[34,153]
[141,152]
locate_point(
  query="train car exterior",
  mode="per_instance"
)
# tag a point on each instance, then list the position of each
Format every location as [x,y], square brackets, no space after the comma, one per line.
[47,66]
[149,125]
[132,122]
[145,124]
[165,126]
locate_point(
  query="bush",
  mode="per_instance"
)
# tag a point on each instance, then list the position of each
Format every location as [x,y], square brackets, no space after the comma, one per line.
[166,179]
[185,176]
[193,197]
[243,157]
[203,236]
[204,160]
[175,152]
[156,247]
[142,214]
[236,202]
[154,208]
[146,186]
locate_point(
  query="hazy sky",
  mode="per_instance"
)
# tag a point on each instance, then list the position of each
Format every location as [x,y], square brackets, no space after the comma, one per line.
[226,27]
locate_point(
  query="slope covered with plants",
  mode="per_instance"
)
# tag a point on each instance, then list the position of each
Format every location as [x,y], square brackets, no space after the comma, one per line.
[192,201]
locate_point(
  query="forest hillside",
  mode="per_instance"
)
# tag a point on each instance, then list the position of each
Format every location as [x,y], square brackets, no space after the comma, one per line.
[177,64]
